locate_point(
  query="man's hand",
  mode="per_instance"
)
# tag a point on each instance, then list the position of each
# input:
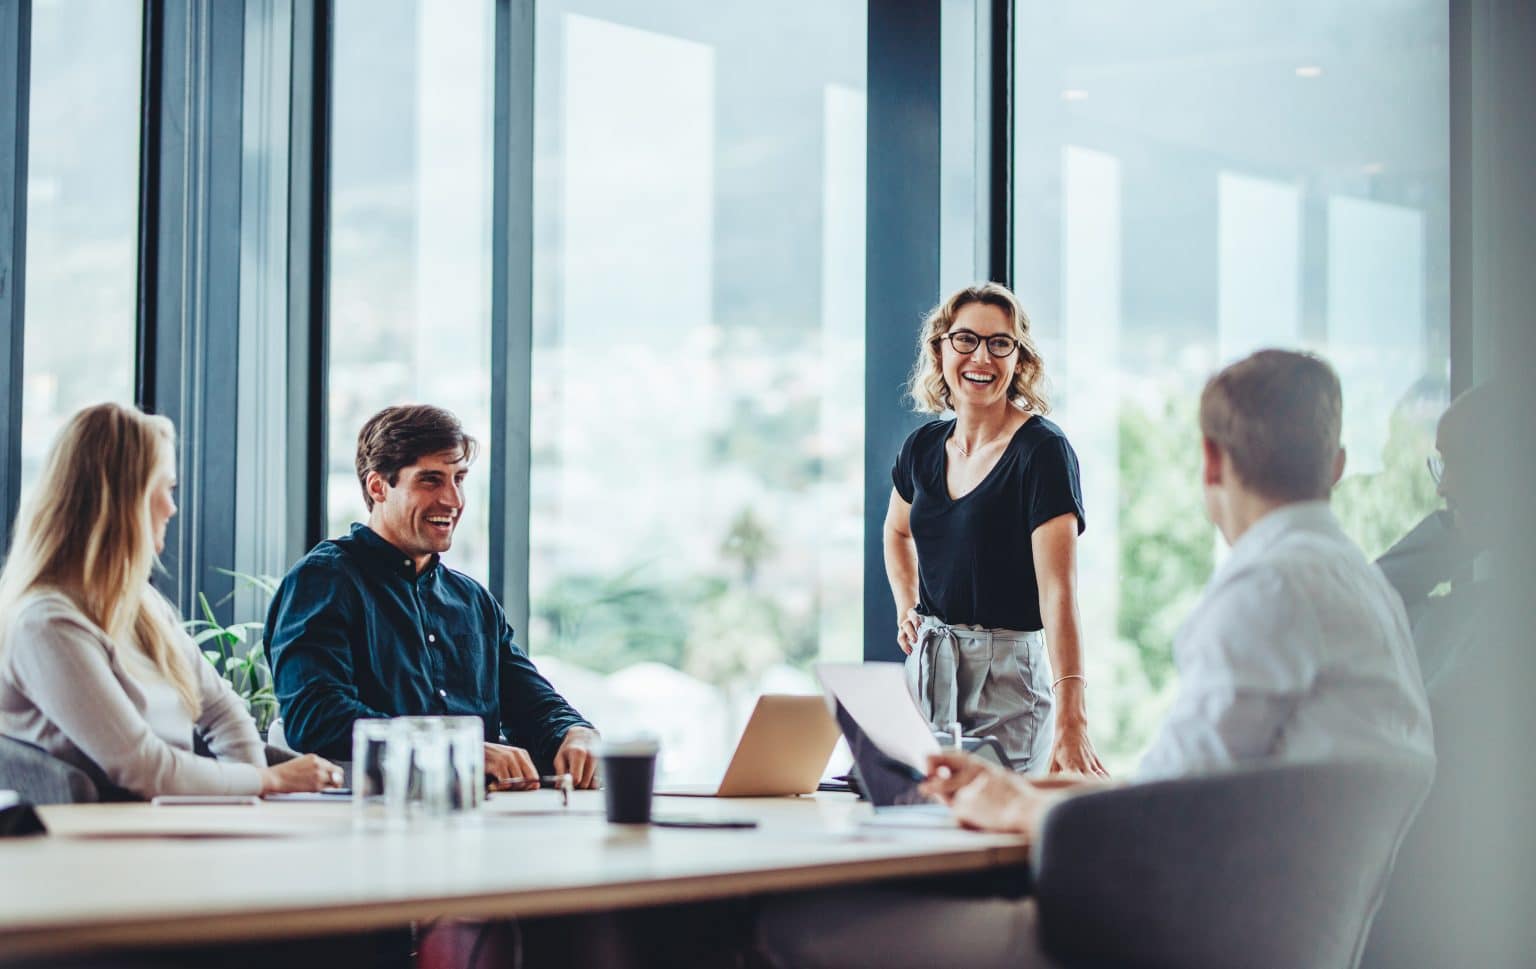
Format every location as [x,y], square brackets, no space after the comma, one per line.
[510,768]
[577,757]
[992,798]
[982,794]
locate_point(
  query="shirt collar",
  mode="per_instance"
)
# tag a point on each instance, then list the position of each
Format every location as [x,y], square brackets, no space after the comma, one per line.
[1305,516]
[387,557]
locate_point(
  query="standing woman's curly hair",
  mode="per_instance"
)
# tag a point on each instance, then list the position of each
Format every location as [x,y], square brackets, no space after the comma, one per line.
[926,386]
[85,530]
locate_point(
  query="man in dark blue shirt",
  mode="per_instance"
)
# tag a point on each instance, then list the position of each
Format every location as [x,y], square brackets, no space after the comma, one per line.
[372,624]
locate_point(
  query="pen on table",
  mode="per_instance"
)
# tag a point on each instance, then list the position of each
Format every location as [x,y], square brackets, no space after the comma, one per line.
[563,782]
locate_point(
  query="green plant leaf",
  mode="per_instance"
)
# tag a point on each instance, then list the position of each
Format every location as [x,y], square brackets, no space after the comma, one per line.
[266,583]
[208,611]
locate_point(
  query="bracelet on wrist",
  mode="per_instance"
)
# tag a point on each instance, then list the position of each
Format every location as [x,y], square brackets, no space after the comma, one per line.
[1069,676]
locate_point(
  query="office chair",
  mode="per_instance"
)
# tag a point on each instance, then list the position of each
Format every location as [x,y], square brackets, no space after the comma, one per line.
[40,778]
[1260,867]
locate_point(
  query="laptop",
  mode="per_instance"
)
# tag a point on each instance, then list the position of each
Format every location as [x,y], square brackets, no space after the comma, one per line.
[783,750]
[889,739]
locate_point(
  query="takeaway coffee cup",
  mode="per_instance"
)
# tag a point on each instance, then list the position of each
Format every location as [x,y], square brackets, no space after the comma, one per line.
[629,770]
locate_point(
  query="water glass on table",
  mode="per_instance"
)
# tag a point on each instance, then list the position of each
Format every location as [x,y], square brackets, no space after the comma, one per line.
[466,763]
[413,769]
[381,759]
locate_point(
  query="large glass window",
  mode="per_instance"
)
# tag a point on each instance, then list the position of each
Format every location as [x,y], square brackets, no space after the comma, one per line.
[82,215]
[262,502]
[698,375]
[1191,188]
[411,235]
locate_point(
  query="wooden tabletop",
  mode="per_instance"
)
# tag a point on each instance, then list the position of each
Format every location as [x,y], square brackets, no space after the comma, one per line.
[130,874]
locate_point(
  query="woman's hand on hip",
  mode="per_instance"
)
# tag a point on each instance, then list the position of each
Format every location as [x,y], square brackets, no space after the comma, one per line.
[906,630]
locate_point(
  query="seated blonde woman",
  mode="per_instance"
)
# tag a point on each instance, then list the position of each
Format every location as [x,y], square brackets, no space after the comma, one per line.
[94,665]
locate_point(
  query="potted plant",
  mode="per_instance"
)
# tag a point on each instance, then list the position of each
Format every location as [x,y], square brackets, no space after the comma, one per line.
[238,653]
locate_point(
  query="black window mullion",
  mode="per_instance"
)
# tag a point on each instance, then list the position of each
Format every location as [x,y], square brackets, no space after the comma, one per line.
[998,166]
[512,306]
[145,337]
[309,272]
[901,263]
[189,279]
[15,93]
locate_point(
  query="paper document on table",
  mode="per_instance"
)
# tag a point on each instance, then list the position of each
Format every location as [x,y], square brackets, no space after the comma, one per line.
[875,695]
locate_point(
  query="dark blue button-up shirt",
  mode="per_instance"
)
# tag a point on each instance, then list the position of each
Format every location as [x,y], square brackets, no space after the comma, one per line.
[354,632]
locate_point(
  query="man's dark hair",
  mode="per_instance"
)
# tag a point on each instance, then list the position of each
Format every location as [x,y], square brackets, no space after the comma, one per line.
[397,437]
[1277,413]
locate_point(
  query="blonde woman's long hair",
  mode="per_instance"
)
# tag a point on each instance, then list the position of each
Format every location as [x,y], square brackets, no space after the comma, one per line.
[926,386]
[86,531]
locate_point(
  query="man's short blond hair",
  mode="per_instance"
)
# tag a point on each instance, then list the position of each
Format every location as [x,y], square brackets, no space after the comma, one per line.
[1277,414]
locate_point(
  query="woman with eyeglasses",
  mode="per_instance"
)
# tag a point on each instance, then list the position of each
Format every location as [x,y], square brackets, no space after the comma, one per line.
[94,666]
[981,541]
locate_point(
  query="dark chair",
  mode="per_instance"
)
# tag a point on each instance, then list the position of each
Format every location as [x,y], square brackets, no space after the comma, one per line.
[1431,915]
[1265,867]
[39,777]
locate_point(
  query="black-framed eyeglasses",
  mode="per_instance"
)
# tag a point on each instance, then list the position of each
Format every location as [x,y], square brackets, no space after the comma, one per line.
[964,341]
[1436,465]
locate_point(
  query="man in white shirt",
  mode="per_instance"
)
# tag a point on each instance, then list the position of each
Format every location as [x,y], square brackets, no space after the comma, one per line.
[1299,650]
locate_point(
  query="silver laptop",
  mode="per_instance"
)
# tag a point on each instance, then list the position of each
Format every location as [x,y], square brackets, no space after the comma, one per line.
[783,750]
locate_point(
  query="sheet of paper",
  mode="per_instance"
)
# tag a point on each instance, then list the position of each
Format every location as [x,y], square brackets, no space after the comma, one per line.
[148,821]
[875,695]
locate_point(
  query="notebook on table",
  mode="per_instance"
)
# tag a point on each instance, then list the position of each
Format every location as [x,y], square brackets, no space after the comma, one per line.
[783,750]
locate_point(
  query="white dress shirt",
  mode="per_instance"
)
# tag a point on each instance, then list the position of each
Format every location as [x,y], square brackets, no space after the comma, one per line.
[1299,650]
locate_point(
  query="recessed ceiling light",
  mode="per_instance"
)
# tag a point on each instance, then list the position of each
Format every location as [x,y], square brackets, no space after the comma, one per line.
[1074,94]
[1309,70]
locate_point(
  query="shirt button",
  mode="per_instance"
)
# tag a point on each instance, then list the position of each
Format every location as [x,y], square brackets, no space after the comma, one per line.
[407,563]
[443,694]
[431,637]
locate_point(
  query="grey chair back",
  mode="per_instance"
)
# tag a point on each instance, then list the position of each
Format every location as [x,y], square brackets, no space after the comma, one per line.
[39,777]
[1266,867]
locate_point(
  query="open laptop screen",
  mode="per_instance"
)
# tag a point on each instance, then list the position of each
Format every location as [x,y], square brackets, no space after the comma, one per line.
[887,781]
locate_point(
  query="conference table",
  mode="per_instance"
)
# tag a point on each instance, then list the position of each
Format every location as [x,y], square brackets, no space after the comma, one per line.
[116,875]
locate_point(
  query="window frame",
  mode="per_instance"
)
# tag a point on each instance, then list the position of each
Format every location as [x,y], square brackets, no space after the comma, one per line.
[189,370]
[15,98]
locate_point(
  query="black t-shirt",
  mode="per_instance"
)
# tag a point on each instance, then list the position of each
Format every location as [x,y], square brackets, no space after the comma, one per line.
[975,564]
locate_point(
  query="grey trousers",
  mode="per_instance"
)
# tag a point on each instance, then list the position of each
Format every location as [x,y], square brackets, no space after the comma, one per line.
[897,929]
[994,682]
